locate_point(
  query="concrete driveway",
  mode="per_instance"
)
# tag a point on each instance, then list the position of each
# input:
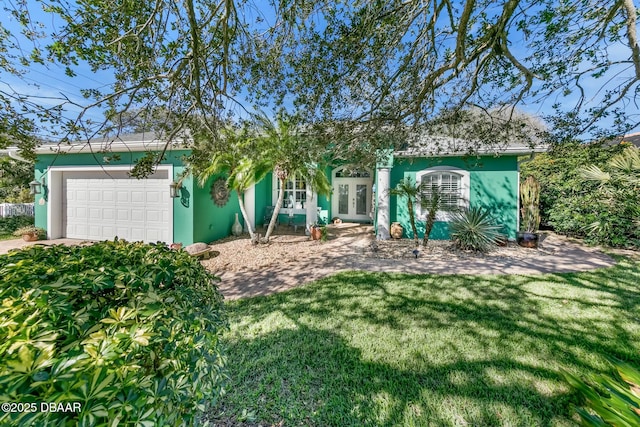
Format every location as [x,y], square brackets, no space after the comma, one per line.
[7,245]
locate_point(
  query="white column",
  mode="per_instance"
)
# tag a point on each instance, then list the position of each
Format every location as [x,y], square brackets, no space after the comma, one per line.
[250,206]
[382,193]
[311,207]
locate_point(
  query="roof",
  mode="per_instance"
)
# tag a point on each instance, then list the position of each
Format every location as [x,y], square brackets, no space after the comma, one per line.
[147,141]
[444,146]
[633,138]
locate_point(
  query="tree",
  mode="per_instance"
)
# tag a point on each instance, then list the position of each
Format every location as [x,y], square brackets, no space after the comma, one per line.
[619,190]
[354,67]
[431,201]
[236,160]
[14,181]
[408,189]
[291,153]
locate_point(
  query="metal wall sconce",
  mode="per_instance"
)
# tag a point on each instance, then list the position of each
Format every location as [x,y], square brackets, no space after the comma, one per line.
[35,187]
[174,189]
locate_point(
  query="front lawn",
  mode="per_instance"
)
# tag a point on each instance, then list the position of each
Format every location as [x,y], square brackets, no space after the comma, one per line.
[389,349]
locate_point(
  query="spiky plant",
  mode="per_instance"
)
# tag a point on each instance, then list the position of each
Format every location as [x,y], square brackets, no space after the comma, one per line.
[474,229]
[408,189]
[530,204]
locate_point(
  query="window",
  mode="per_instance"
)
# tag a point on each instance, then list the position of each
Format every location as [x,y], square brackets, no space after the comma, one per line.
[453,183]
[295,193]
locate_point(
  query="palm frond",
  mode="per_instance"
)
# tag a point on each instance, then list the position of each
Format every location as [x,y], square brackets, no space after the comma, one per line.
[594,173]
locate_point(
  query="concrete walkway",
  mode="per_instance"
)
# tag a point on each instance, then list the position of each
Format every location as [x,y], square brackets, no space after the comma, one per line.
[348,252]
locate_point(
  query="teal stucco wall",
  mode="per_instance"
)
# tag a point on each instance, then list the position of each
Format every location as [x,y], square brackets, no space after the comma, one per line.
[212,222]
[493,186]
[183,212]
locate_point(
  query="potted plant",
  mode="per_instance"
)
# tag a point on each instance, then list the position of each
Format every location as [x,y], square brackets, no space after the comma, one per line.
[318,231]
[30,233]
[529,213]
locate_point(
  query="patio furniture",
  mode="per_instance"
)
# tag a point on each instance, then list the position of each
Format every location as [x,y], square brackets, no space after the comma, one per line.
[268,213]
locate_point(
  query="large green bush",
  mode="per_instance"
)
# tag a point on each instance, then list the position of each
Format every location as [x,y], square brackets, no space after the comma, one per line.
[128,330]
[10,224]
[572,205]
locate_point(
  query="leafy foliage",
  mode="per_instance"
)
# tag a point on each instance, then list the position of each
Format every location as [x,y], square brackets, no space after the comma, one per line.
[571,204]
[30,229]
[10,224]
[474,229]
[610,399]
[128,330]
[234,154]
[431,201]
[14,181]
[368,64]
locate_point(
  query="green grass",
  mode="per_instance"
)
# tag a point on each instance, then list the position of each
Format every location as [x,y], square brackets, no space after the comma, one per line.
[388,349]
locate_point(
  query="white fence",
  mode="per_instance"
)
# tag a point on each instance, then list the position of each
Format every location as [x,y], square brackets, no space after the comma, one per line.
[15,209]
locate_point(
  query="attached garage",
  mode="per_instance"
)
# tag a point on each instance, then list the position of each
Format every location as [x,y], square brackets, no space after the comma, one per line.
[101,203]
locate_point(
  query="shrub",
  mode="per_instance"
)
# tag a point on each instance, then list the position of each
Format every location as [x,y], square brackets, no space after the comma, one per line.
[474,229]
[30,229]
[10,224]
[128,330]
[609,399]
[582,208]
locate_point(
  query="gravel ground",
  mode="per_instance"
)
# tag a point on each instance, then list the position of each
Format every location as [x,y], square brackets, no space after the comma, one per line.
[238,254]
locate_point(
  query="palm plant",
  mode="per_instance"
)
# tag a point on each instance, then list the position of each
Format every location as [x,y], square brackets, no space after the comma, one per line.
[408,189]
[619,186]
[474,229]
[290,155]
[236,160]
[430,199]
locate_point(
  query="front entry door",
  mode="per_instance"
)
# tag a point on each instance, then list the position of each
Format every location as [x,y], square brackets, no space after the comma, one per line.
[352,199]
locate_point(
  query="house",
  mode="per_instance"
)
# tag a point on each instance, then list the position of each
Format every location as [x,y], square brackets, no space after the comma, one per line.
[487,177]
[86,192]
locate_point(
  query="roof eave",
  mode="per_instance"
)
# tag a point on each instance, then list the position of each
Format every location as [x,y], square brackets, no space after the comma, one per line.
[515,151]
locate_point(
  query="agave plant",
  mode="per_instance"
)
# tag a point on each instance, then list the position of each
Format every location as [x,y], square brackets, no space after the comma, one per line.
[474,229]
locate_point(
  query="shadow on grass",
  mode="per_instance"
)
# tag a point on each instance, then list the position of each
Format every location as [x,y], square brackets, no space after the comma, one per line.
[390,349]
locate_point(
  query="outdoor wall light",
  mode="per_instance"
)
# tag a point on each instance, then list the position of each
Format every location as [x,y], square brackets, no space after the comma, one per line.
[35,187]
[174,189]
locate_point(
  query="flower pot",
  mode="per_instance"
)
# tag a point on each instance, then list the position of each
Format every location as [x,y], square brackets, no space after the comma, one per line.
[316,233]
[396,230]
[32,237]
[527,240]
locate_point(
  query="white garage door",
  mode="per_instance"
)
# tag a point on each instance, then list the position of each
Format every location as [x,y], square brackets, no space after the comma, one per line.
[98,207]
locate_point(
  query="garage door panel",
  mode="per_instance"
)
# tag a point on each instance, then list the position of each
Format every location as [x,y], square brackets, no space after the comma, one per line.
[130,209]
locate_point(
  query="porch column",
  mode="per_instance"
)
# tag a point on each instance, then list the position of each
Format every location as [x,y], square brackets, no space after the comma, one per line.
[382,194]
[311,207]
[250,206]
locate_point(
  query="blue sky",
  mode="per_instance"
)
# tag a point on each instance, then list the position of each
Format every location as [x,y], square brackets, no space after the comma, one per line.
[48,85]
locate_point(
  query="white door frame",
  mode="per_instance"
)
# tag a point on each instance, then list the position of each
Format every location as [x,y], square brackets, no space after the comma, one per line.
[352,182]
[56,196]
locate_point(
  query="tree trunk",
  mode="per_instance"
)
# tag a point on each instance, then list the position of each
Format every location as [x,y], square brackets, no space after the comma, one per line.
[245,216]
[412,220]
[428,226]
[276,211]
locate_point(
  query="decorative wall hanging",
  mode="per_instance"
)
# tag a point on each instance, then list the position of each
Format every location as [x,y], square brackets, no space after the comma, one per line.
[220,192]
